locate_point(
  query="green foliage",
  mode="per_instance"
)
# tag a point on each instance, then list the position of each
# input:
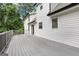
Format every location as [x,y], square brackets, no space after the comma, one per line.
[9,17]
[20,31]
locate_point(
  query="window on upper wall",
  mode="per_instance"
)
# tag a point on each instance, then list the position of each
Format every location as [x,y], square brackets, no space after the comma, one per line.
[41,7]
[40,25]
[55,23]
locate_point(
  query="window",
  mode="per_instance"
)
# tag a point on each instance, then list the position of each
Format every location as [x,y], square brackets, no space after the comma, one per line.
[55,23]
[40,25]
[41,7]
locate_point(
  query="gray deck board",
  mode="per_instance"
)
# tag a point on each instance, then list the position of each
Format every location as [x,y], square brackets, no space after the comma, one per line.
[28,45]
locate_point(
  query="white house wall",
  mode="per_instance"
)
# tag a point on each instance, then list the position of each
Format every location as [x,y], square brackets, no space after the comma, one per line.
[67,31]
[68,27]
[46,31]
[26,25]
[32,17]
[59,6]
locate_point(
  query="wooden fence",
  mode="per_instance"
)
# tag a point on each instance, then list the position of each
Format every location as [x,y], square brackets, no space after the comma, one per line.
[5,38]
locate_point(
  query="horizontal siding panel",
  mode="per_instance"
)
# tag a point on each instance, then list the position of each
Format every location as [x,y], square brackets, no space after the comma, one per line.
[68,31]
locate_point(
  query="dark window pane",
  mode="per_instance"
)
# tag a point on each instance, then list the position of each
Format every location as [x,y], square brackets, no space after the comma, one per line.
[41,7]
[40,25]
[55,23]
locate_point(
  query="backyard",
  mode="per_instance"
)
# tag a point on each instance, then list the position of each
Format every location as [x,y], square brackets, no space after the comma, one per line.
[33,29]
[12,17]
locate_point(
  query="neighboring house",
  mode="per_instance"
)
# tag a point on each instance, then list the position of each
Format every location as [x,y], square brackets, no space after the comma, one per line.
[56,21]
[26,25]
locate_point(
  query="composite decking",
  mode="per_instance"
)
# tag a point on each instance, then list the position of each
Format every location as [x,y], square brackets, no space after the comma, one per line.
[28,45]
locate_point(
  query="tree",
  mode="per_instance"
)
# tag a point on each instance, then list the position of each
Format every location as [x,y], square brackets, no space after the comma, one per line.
[9,17]
[12,15]
[25,8]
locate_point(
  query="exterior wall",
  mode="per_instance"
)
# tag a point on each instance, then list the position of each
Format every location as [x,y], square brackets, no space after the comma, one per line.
[42,17]
[56,6]
[59,6]
[53,5]
[38,8]
[26,26]
[67,31]
[68,26]
[32,17]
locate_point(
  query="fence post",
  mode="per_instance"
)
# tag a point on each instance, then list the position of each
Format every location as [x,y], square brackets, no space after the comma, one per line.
[5,39]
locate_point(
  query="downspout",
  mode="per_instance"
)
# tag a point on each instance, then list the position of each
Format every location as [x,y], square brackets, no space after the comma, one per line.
[29,21]
[49,7]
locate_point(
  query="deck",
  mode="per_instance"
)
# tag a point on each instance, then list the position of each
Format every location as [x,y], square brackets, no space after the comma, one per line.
[28,45]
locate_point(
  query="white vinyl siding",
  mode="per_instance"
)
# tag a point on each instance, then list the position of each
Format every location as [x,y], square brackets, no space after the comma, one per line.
[68,31]
[68,26]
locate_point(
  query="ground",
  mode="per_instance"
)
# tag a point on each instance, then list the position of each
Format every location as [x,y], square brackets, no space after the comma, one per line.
[29,45]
